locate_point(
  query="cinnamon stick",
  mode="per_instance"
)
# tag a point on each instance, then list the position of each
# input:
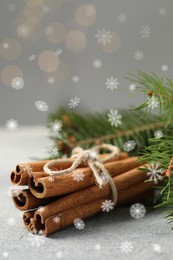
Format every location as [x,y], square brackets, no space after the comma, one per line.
[67,217]
[122,182]
[20,176]
[43,187]
[25,200]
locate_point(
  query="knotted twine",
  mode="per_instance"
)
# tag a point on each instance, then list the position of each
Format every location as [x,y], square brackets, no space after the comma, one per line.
[90,157]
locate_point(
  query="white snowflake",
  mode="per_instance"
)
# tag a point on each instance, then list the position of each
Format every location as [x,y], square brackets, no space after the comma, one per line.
[53,150]
[11,7]
[146,32]
[138,55]
[164,67]
[31,57]
[114,118]
[49,30]
[41,209]
[111,83]
[23,30]
[157,248]
[41,105]
[58,52]
[74,102]
[97,64]
[5,45]
[11,221]
[56,126]
[107,205]
[122,18]
[97,247]
[104,178]
[17,83]
[162,11]
[75,79]
[36,239]
[137,211]
[79,223]
[103,36]
[26,168]
[78,176]
[129,145]
[12,125]
[93,155]
[154,172]
[5,254]
[51,80]
[126,247]
[132,87]
[51,178]
[152,102]
[57,219]
[59,254]
[158,134]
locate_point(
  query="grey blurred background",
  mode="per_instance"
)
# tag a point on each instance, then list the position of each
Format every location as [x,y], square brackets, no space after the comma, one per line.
[48,45]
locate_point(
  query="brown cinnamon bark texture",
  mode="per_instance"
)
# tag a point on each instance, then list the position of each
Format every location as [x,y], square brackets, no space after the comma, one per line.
[20,176]
[43,187]
[68,216]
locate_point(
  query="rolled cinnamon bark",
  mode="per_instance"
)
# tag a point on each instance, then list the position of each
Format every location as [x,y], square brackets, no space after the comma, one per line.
[122,182]
[43,187]
[20,176]
[67,217]
[25,200]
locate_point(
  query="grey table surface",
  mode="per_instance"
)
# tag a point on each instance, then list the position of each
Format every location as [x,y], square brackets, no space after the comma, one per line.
[103,234]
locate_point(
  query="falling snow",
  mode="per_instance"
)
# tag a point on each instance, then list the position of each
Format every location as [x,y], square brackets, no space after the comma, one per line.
[41,105]
[23,30]
[107,205]
[103,36]
[97,64]
[112,83]
[12,125]
[154,172]
[126,247]
[114,118]
[17,83]
[164,68]
[122,18]
[51,80]
[26,168]
[51,178]
[36,239]
[157,248]
[49,30]
[78,176]
[74,102]
[152,102]
[137,211]
[132,87]
[158,134]
[93,155]
[58,52]
[138,55]
[56,126]
[11,221]
[31,57]
[162,11]
[79,224]
[53,150]
[57,219]
[146,32]
[129,145]
[75,79]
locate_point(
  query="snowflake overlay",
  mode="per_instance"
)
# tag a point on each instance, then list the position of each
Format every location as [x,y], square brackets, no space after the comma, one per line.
[26,168]
[114,118]
[97,64]
[93,155]
[103,36]
[74,102]
[5,254]
[132,87]
[78,176]
[154,172]
[17,83]
[146,32]
[107,205]
[162,11]
[11,221]
[126,247]
[12,125]
[51,178]
[79,224]
[41,105]
[122,18]
[58,52]
[158,134]
[164,68]
[31,57]
[49,30]
[129,145]
[75,79]
[157,248]
[53,150]
[23,30]
[51,80]
[57,219]
[138,55]
[152,102]
[137,211]
[111,83]
[55,127]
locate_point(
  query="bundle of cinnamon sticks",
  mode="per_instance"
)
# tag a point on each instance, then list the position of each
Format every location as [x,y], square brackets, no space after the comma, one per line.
[52,203]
